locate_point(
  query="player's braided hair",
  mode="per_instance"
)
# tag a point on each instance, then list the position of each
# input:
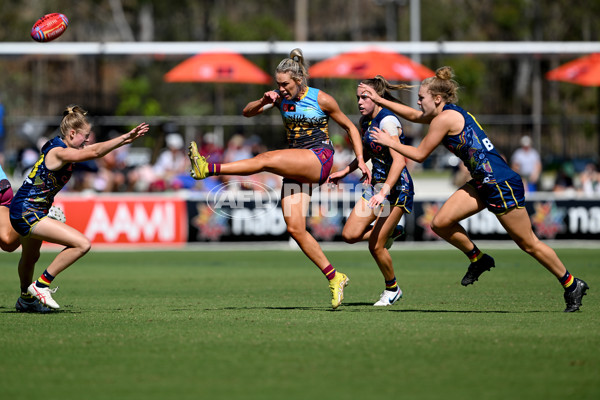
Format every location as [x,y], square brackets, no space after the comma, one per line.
[74,118]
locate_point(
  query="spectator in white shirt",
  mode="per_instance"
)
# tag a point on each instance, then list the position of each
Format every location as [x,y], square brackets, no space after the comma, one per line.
[526,161]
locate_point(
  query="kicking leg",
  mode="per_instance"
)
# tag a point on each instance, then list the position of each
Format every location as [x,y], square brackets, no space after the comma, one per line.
[298,164]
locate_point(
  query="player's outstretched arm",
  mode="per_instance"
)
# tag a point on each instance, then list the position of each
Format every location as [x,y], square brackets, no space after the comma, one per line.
[63,156]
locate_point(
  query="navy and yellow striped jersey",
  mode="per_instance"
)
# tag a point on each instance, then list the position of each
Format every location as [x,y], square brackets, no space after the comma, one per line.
[41,184]
[476,150]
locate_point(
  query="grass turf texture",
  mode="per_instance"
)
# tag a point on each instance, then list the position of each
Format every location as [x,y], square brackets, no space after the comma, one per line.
[258,325]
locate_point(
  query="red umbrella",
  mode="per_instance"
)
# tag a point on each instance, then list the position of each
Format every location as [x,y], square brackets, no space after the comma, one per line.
[218,66]
[583,71]
[221,66]
[369,62]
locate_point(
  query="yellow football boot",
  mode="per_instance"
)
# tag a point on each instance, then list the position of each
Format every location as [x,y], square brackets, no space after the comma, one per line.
[337,285]
[199,164]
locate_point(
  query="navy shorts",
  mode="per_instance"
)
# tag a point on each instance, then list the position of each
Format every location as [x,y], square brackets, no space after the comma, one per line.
[25,224]
[396,198]
[501,197]
[23,218]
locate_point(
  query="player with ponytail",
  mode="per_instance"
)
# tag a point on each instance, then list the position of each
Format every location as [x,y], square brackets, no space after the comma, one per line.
[306,162]
[494,185]
[389,196]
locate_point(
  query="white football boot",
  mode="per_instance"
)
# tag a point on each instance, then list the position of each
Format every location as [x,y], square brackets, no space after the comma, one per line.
[44,295]
[388,298]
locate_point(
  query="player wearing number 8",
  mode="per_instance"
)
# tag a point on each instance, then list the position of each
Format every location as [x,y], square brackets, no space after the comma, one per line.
[494,186]
[497,184]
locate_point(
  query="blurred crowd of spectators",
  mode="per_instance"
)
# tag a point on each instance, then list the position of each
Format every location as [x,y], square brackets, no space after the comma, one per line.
[130,169]
[569,178]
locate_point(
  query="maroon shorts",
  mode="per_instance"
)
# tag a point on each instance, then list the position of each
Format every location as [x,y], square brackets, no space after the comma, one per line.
[326,157]
[6,193]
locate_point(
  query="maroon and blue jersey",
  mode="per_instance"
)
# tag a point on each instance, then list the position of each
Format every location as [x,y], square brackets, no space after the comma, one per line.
[36,195]
[306,125]
[476,150]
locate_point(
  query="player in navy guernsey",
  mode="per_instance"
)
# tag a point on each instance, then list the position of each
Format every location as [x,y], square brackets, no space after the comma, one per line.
[390,194]
[307,161]
[9,241]
[31,204]
[493,185]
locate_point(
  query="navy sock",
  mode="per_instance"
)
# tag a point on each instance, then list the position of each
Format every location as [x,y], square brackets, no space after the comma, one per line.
[474,255]
[391,285]
[568,282]
[44,280]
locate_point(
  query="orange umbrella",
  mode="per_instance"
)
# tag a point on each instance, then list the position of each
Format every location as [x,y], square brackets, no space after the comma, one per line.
[218,66]
[583,71]
[369,62]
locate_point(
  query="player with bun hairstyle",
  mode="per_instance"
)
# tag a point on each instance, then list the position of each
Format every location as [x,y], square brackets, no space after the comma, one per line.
[308,160]
[494,185]
[31,204]
[390,193]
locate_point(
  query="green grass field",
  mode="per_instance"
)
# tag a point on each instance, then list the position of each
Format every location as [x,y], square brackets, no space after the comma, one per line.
[258,325]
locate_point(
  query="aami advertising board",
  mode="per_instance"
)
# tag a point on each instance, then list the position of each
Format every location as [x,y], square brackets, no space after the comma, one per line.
[127,220]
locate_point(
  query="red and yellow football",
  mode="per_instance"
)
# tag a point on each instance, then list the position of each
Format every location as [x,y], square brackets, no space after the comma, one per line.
[49,27]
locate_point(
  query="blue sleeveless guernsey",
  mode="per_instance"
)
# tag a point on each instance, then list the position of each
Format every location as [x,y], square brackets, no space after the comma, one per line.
[307,126]
[2,174]
[474,148]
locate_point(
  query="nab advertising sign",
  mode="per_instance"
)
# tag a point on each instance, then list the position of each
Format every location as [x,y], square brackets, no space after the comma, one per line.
[241,217]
